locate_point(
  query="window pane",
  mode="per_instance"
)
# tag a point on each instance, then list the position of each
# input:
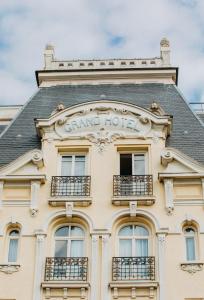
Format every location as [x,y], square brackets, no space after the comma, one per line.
[141,247]
[66,169]
[77,248]
[63,231]
[76,231]
[79,166]
[60,248]
[141,231]
[139,164]
[13,248]
[125,248]
[126,231]
[190,248]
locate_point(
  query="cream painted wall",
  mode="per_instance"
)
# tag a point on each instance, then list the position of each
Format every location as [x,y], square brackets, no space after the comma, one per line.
[101,220]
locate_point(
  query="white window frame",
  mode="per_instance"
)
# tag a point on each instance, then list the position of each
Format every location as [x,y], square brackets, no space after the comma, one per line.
[195,242]
[145,153]
[133,237]
[69,238]
[9,238]
[73,154]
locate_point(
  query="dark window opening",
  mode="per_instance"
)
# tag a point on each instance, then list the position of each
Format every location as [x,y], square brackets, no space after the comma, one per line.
[126,164]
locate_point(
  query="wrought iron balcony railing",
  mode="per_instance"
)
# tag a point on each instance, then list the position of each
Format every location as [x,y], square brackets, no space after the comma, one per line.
[66,268]
[132,185]
[70,186]
[133,268]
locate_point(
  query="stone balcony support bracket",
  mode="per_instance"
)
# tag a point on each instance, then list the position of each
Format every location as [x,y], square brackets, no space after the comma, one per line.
[168,186]
[35,190]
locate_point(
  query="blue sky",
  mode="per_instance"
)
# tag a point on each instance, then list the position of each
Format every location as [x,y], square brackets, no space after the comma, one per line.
[98,29]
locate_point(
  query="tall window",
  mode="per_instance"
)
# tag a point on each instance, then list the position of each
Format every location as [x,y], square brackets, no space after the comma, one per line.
[132,164]
[69,242]
[73,165]
[13,246]
[133,241]
[190,240]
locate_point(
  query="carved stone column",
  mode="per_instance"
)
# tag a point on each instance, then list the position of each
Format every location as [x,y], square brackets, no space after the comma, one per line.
[105,267]
[94,267]
[161,264]
[168,186]
[1,193]
[39,264]
[35,188]
[202,182]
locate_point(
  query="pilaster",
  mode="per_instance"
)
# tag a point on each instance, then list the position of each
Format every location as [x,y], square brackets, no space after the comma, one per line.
[39,264]
[1,193]
[202,182]
[94,266]
[161,237]
[105,267]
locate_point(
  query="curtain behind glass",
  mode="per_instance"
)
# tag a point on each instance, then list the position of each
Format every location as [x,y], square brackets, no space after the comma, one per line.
[60,248]
[76,231]
[13,248]
[139,165]
[125,248]
[66,169]
[141,231]
[79,166]
[190,248]
[141,247]
[76,249]
[126,231]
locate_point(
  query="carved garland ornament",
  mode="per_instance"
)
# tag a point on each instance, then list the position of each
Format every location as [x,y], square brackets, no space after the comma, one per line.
[9,269]
[192,267]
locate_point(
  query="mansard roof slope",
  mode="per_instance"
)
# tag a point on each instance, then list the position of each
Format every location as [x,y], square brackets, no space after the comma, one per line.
[187,135]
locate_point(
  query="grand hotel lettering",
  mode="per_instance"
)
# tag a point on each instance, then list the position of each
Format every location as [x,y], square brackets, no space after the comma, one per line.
[102,121]
[103,126]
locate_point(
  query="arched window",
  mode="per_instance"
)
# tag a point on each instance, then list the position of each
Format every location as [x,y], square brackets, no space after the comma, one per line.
[13,245]
[69,241]
[190,240]
[133,241]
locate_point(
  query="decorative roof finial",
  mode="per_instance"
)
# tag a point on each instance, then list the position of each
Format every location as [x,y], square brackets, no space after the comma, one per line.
[48,55]
[165,52]
[165,42]
[49,47]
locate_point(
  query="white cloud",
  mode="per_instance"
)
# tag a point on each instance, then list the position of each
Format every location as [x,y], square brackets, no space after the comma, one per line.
[84,28]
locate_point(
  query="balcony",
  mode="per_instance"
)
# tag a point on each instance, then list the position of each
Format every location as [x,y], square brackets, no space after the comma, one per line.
[128,188]
[74,189]
[66,269]
[136,275]
[133,268]
[66,274]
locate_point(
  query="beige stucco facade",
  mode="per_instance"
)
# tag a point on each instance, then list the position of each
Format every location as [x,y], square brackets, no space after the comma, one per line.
[171,200]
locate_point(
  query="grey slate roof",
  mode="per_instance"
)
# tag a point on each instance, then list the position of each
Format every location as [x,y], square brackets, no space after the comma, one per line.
[201,117]
[2,127]
[187,135]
